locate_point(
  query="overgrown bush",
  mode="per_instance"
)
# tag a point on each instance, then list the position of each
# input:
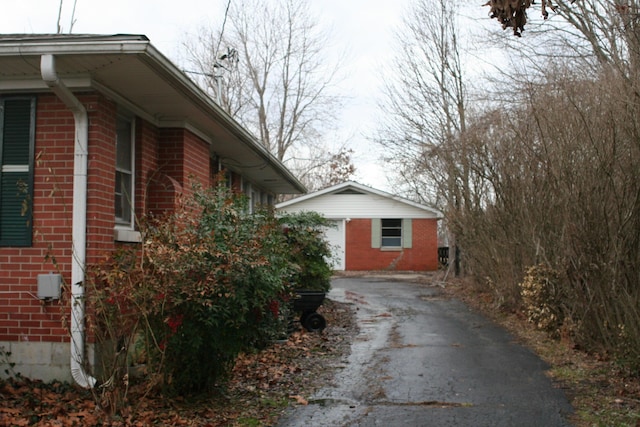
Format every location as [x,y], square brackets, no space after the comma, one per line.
[209,281]
[195,292]
[309,251]
[557,183]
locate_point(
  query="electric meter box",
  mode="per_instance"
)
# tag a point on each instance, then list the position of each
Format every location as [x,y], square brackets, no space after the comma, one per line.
[49,286]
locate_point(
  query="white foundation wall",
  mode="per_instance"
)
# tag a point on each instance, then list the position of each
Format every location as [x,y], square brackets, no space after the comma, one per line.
[44,361]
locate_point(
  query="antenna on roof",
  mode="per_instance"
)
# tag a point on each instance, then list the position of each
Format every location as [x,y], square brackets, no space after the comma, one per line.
[221,62]
[231,57]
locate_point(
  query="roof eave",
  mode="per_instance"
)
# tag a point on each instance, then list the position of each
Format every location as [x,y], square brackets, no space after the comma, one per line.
[140,46]
[352,184]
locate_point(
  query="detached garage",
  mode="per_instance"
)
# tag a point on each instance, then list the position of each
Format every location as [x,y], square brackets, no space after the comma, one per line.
[374,230]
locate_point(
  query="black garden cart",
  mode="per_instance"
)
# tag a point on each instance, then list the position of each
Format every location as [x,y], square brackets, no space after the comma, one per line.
[306,303]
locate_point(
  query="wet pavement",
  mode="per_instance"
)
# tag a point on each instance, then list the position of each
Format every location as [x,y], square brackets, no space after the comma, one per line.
[422,359]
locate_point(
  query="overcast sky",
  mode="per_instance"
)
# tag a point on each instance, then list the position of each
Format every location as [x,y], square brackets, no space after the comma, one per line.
[361,28]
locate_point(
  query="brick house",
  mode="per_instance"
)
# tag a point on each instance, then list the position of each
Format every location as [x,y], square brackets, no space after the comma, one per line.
[96,131]
[374,230]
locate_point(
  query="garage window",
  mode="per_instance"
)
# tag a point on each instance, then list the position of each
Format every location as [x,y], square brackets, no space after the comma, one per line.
[391,233]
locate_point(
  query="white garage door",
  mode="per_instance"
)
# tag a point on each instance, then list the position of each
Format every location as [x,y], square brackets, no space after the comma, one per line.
[335,237]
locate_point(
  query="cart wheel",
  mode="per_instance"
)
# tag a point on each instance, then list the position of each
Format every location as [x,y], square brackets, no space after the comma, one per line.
[314,322]
[304,316]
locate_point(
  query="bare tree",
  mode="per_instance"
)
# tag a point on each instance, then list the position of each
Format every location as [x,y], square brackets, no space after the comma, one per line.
[425,103]
[608,33]
[278,83]
[596,33]
[561,189]
[329,169]
[541,185]
[72,20]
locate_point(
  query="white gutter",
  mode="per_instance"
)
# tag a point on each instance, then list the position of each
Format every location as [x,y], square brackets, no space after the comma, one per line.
[79,217]
[212,121]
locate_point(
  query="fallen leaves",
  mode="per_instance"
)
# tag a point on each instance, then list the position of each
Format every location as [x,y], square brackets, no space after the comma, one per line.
[262,385]
[301,400]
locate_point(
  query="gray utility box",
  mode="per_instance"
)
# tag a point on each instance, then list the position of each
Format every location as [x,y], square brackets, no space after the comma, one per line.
[49,286]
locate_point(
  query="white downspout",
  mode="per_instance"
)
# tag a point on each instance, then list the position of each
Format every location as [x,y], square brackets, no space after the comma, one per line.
[79,217]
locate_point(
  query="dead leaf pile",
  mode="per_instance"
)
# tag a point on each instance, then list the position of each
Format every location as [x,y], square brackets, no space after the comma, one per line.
[262,385]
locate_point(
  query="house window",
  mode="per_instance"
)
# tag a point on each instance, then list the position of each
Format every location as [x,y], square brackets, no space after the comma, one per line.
[17,135]
[228,179]
[249,192]
[391,233]
[124,190]
[256,200]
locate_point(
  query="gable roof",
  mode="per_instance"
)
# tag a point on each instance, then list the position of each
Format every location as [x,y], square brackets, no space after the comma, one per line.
[354,188]
[129,70]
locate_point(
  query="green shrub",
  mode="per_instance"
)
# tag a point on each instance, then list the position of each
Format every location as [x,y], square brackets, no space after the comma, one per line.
[199,291]
[309,251]
[209,281]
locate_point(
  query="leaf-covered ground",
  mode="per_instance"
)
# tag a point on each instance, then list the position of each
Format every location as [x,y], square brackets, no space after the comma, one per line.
[265,384]
[262,386]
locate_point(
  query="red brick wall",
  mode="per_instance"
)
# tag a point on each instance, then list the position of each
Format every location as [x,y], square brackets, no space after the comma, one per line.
[146,164]
[176,152]
[196,159]
[422,256]
[100,177]
[184,157]
[22,316]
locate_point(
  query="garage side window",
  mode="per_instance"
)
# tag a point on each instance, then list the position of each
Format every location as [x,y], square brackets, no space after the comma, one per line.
[391,233]
[17,134]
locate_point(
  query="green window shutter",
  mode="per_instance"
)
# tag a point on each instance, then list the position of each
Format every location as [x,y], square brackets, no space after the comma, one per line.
[376,232]
[17,130]
[407,233]
[15,210]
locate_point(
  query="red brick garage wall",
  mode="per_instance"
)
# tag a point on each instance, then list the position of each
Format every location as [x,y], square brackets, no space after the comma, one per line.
[422,256]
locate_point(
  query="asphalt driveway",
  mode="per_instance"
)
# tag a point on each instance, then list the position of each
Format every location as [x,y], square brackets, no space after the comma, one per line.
[425,360]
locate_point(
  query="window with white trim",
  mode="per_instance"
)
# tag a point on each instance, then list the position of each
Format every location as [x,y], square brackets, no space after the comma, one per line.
[125,173]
